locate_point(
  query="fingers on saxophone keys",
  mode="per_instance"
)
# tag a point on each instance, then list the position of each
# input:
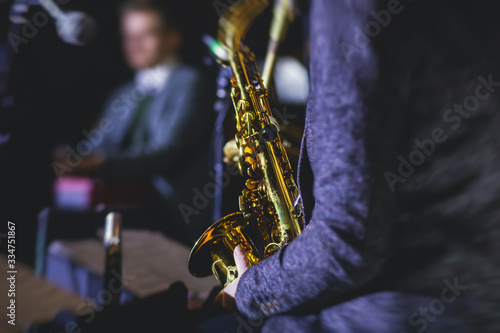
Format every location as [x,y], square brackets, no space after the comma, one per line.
[240,257]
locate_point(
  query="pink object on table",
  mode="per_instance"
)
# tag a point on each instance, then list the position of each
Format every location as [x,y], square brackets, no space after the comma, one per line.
[73,193]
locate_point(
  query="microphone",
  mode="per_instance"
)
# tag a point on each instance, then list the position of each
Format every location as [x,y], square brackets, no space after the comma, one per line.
[73,27]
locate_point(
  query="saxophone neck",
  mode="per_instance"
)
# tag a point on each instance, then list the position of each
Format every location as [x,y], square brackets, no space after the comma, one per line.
[233,26]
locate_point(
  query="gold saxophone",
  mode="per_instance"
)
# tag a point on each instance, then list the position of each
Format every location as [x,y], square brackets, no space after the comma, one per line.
[270,199]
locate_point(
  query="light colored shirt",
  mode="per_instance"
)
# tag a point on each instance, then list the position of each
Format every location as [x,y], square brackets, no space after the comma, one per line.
[154,78]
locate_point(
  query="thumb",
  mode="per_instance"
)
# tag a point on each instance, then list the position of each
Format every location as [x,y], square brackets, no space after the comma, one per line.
[240,257]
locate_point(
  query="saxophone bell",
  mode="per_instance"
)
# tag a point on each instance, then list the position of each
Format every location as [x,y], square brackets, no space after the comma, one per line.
[213,252]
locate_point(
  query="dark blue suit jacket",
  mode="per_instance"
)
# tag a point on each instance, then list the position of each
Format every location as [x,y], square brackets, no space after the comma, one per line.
[172,152]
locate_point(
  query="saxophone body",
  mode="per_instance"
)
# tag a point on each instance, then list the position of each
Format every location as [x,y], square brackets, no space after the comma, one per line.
[270,200]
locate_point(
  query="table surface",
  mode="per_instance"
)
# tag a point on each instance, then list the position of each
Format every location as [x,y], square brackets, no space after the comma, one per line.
[151,263]
[36,300]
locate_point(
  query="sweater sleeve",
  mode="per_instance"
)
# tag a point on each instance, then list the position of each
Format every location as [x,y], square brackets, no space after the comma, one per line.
[331,256]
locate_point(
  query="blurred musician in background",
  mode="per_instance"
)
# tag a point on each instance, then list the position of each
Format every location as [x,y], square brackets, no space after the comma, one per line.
[156,128]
